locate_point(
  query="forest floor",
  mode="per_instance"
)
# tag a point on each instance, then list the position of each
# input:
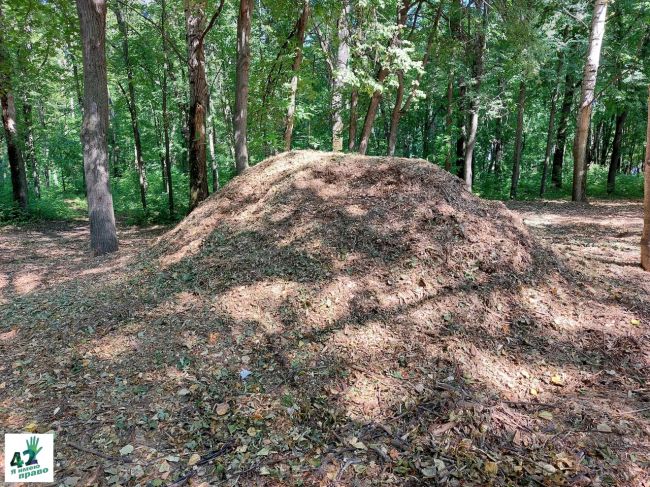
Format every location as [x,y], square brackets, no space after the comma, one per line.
[153,372]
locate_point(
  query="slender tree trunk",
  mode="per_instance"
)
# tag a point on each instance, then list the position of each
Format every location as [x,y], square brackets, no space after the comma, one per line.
[133,107]
[519,140]
[551,123]
[615,162]
[449,120]
[293,90]
[395,114]
[195,23]
[29,146]
[560,140]
[461,124]
[477,75]
[398,110]
[645,239]
[586,100]
[165,112]
[241,84]
[354,114]
[215,162]
[103,234]
[340,74]
[382,73]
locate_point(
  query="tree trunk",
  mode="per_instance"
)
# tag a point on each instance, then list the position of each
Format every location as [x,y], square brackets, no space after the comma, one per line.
[195,23]
[449,120]
[103,234]
[551,122]
[241,84]
[560,140]
[340,74]
[293,90]
[461,141]
[16,163]
[615,162]
[213,155]
[477,76]
[395,114]
[519,140]
[586,100]
[382,73]
[398,110]
[165,114]
[29,146]
[354,113]
[133,108]
[645,240]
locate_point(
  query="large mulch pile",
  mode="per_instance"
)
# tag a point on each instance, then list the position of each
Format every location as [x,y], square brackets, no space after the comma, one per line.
[332,319]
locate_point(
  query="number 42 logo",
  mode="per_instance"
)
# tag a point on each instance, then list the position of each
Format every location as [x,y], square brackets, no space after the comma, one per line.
[32,451]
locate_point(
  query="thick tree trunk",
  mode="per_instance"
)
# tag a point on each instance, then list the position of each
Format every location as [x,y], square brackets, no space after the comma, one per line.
[197,158]
[560,140]
[16,163]
[340,74]
[103,234]
[240,121]
[615,162]
[133,107]
[293,90]
[519,140]
[354,114]
[165,113]
[586,100]
[645,239]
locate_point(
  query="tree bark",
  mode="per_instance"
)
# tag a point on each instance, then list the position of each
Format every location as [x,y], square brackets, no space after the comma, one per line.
[165,113]
[293,90]
[579,192]
[29,146]
[398,110]
[645,239]
[519,140]
[92,19]
[197,158]
[449,120]
[560,140]
[615,162]
[354,114]
[240,121]
[16,163]
[551,121]
[340,74]
[382,73]
[477,75]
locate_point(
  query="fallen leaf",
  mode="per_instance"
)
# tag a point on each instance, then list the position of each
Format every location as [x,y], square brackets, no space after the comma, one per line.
[194,459]
[183,392]
[491,468]
[545,415]
[126,450]
[222,408]
[547,468]
[557,380]
[604,428]
[356,443]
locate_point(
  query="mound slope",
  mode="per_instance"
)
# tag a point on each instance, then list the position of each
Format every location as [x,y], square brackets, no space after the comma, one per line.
[333,319]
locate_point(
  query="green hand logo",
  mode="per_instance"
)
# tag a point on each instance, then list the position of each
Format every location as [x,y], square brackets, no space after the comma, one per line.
[32,450]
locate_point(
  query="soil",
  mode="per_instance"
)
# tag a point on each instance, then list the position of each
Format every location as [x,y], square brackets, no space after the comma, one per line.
[329,319]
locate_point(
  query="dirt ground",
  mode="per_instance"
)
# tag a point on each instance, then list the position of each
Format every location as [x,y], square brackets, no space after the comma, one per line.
[544,383]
